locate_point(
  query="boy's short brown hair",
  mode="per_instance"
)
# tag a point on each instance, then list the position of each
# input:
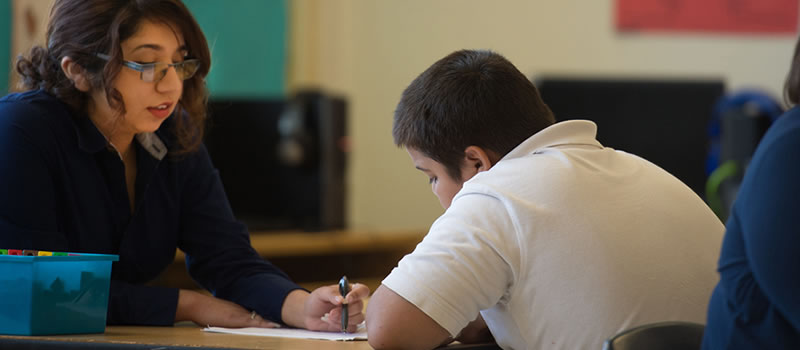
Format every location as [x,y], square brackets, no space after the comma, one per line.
[468,98]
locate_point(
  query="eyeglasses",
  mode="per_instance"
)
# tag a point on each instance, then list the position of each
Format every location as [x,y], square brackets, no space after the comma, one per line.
[154,72]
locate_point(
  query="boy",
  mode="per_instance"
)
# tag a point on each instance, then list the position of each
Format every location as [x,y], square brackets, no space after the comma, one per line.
[549,239]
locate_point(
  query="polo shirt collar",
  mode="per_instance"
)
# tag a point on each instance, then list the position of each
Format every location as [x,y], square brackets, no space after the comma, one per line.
[152,144]
[570,132]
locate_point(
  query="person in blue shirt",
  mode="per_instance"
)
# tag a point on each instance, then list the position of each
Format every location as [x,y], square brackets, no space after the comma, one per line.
[104,154]
[756,304]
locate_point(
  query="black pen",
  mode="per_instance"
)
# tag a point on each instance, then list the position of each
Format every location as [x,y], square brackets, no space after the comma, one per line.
[344,288]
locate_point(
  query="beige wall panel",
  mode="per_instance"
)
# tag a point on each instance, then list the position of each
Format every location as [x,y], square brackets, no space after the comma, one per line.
[370,50]
[29,25]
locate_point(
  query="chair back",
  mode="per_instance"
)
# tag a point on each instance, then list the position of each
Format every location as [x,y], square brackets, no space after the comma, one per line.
[675,335]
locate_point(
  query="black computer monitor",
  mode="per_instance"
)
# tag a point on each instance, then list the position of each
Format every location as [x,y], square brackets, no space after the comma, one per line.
[281,161]
[241,139]
[662,120]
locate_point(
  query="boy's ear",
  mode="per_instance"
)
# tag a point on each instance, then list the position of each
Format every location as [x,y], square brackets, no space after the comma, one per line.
[76,74]
[476,159]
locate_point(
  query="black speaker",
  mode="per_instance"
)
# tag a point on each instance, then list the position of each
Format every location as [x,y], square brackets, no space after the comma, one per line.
[282,161]
[662,120]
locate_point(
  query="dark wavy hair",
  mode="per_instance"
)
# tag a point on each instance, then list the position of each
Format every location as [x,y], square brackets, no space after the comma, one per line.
[791,88]
[82,28]
[468,98]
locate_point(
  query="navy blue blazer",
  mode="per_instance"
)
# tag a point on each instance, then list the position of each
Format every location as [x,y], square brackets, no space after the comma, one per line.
[63,189]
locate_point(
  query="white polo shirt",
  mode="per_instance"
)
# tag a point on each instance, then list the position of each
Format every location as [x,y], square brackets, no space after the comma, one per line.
[562,244]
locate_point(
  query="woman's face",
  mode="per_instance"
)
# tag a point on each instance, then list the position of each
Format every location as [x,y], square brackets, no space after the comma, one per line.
[147,104]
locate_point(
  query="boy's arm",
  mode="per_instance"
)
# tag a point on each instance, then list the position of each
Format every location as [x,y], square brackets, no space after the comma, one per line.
[463,265]
[391,319]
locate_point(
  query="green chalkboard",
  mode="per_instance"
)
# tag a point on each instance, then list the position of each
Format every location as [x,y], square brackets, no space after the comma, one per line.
[248,40]
[5,45]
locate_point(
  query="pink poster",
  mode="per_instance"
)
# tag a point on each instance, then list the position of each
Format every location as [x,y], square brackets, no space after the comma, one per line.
[710,16]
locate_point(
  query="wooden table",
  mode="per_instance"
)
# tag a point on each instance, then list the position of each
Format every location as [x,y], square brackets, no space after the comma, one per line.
[319,258]
[275,244]
[184,336]
[368,255]
[173,338]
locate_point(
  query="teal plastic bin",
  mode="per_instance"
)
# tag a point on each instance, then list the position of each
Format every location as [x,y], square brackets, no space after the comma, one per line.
[42,295]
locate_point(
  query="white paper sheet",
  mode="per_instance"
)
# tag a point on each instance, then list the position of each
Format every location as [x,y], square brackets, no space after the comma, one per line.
[360,334]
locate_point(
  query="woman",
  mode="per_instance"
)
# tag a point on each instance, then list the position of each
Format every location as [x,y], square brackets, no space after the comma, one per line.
[756,304]
[103,154]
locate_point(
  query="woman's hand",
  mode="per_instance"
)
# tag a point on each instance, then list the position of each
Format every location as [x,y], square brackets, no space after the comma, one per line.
[206,310]
[322,309]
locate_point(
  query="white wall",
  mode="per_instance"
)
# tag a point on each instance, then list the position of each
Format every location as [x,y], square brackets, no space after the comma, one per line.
[370,50]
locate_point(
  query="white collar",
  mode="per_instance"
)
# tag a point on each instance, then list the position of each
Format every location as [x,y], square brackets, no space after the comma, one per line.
[153,144]
[570,132]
